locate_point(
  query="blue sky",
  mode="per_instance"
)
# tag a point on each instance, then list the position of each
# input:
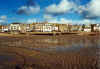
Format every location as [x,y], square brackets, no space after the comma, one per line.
[59,11]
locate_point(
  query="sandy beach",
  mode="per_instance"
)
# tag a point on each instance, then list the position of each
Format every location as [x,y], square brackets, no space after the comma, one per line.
[49,52]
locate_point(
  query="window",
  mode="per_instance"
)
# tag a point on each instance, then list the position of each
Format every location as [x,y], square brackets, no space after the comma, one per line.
[14,28]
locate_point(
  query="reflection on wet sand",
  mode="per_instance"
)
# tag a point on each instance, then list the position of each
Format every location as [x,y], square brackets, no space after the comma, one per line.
[59,52]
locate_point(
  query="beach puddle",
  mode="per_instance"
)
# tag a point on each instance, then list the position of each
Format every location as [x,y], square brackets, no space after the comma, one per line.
[7,59]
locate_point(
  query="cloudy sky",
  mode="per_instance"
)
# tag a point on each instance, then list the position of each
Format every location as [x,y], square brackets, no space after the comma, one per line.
[56,11]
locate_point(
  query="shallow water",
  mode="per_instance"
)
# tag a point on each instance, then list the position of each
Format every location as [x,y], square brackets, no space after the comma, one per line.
[69,45]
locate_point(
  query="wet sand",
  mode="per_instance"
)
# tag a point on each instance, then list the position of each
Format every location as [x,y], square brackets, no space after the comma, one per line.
[50,52]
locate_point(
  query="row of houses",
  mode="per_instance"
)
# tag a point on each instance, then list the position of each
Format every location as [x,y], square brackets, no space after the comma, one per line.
[48,27]
[91,28]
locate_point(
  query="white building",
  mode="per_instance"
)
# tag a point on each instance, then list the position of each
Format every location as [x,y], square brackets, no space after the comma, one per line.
[87,30]
[97,28]
[45,27]
[5,28]
[15,27]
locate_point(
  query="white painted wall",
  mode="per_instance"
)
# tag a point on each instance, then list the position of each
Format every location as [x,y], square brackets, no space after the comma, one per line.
[47,28]
[87,30]
[15,27]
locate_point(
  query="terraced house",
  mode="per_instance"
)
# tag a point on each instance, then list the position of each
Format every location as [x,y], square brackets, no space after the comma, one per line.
[65,27]
[0,28]
[4,28]
[45,27]
[19,28]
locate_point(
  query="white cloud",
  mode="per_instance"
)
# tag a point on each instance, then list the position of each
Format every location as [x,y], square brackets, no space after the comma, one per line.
[67,21]
[63,7]
[28,9]
[92,9]
[3,17]
[60,21]
[48,16]
[86,21]
[31,20]
[81,9]
[53,21]
[63,20]
[1,21]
